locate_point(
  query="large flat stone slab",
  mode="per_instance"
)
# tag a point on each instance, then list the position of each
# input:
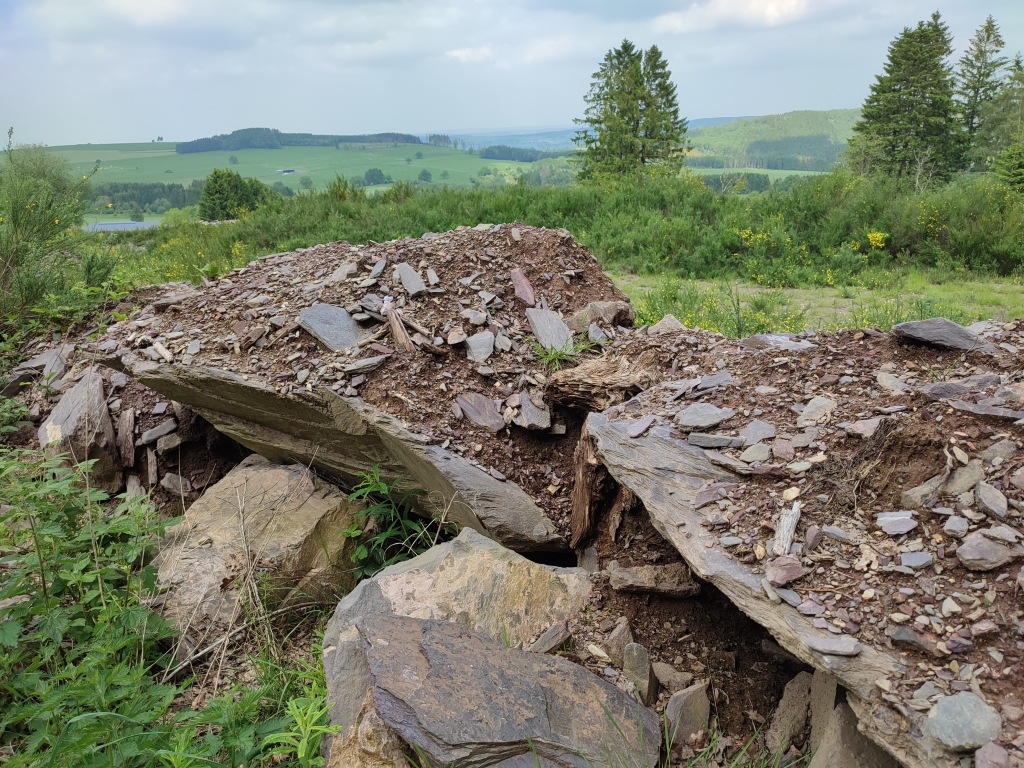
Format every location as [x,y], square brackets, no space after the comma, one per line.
[332,326]
[343,436]
[943,333]
[550,330]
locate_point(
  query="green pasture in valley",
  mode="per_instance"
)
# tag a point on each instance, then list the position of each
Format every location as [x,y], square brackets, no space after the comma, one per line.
[158,162]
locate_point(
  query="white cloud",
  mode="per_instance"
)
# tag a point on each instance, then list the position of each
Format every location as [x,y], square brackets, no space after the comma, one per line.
[471,55]
[714,13]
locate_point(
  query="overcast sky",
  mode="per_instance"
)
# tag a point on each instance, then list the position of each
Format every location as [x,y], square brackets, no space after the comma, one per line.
[75,71]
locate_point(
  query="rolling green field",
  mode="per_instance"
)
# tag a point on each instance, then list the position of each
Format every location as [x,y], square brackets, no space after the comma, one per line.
[158,162]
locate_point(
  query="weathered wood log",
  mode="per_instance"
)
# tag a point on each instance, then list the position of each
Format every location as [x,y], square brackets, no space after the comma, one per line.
[624,501]
[399,335]
[597,384]
[786,529]
[126,437]
[589,482]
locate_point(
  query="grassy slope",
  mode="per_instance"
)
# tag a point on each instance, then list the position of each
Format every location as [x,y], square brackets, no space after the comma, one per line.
[149,162]
[733,139]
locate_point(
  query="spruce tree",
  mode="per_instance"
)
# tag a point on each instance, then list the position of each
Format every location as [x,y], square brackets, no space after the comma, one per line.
[980,74]
[632,121]
[910,114]
[1002,117]
[1009,165]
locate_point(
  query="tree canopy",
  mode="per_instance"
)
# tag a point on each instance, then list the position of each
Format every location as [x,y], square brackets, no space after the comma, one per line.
[632,117]
[979,74]
[226,195]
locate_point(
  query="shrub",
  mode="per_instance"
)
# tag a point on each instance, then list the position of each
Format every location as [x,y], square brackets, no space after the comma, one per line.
[425,175]
[226,195]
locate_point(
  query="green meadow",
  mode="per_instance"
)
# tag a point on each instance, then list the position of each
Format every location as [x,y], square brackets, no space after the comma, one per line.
[158,162]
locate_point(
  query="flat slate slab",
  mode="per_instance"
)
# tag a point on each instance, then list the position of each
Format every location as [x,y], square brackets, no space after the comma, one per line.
[550,330]
[480,346]
[703,416]
[481,410]
[943,333]
[332,326]
[410,279]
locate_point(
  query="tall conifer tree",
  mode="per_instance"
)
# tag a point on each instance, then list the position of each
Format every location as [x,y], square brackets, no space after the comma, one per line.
[632,118]
[980,74]
[910,116]
[1002,117]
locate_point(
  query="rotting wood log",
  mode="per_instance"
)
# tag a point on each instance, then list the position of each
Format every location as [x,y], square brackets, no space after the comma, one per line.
[624,501]
[399,335]
[589,482]
[126,437]
[605,381]
[785,530]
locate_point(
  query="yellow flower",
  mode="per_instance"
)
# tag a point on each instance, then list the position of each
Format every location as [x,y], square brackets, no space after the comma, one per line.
[876,240]
[56,221]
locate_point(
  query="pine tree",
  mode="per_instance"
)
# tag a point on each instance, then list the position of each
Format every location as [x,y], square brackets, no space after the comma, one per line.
[910,114]
[980,74]
[1002,117]
[1009,166]
[632,118]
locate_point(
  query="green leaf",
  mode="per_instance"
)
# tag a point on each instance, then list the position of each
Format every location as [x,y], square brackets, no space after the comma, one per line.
[10,631]
[54,624]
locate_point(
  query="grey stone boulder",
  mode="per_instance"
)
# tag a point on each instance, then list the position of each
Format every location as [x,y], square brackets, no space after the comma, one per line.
[470,580]
[688,712]
[47,366]
[80,427]
[963,722]
[465,699]
[282,514]
[940,332]
[843,746]
[342,436]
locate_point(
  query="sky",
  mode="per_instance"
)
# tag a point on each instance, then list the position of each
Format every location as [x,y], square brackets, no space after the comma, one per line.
[103,71]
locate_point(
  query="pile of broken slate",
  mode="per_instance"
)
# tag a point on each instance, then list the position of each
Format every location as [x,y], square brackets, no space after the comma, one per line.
[859,494]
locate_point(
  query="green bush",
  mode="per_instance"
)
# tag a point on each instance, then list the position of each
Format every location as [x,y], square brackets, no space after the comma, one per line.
[41,208]
[226,195]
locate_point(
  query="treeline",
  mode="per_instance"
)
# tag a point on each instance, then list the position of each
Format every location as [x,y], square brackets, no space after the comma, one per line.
[796,153]
[517,154]
[737,183]
[167,196]
[271,138]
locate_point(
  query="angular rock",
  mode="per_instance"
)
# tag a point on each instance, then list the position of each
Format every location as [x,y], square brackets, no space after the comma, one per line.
[80,426]
[341,436]
[963,722]
[480,346]
[553,637]
[410,279]
[863,428]
[897,526]
[916,560]
[531,416]
[990,500]
[703,416]
[481,410]
[471,580]
[523,289]
[607,313]
[474,316]
[671,679]
[332,326]
[791,715]
[917,497]
[176,484]
[346,270]
[160,430]
[890,383]
[449,691]
[756,431]
[702,440]
[636,667]
[786,341]
[1003,449]
[782,570]
[714,380]
[816,410]
[551,332]
[843,746]
[667,324]
[823,701]
[956,526]
[283,512]
[759,452]
[834,646]
[941,332]
[945,390]
[687,712]
[597,335]
[992,755]
[369,744]
[618,639]
[672,580]
[978,552]
[964,479]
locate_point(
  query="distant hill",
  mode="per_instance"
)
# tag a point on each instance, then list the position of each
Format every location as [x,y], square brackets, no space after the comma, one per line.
[271,138]
[796,141]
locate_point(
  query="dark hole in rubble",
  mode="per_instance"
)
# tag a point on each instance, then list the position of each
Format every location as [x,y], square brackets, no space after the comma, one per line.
[563,559]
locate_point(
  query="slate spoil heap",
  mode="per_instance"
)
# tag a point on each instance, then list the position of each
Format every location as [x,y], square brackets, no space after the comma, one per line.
[857,494]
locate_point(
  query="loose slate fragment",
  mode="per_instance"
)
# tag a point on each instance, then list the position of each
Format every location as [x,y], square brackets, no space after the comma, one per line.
[481,410]
[703,416]
[524,291]
[410,279]
[640,426]
[551,331]
[756,431]
[531,416]
[480,346]
[943,333]
[332,326]
[834,646]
